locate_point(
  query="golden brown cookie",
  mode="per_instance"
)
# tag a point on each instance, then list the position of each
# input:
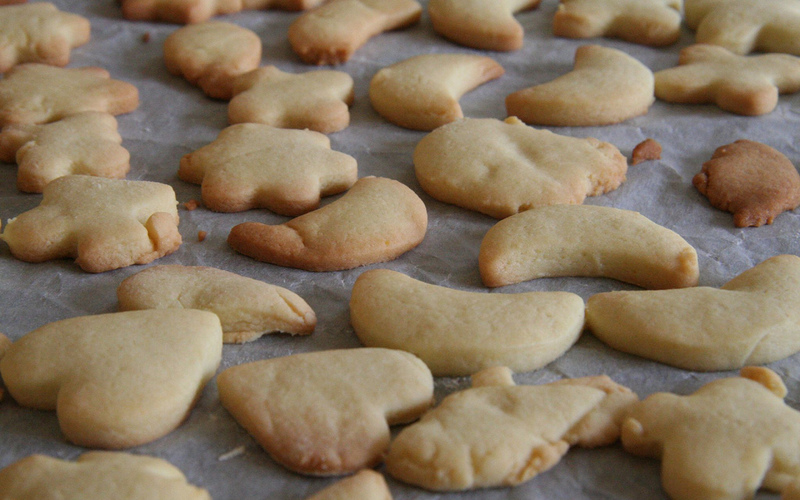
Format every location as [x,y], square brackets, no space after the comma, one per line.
[647,150]
[480,24]
[196,11]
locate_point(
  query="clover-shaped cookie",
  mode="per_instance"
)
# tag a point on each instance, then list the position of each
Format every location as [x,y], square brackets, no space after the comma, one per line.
[196,11]
[752,319]
[38,93]
[94,475]
[317,100]
[87,143]
[116,380]
[247,308]
[366,484]
[744,26]
[746,85]
[252,165]
[328,412]
[499,434]
[104,223]
[725,441]
[38,32]
[501,168]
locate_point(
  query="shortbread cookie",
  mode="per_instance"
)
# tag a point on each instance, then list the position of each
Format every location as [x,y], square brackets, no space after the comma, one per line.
[745,85]
[5,343]
[502,168]
[646,22]
[481,24]
[606,86]
[647,150]
[211,55]
[331,33]
[103,223]
[725,441]
[316,100]
[503,435]
[744,26]
[457,332]
[328,412]
[750,179]
[251,165]
[38,93]
[87,143]
[422,92]
[39,32]
[752,319]
[197,11]
[586,240]
[376,221]
[96,474]
[247,308]
[364,485]
[116,380]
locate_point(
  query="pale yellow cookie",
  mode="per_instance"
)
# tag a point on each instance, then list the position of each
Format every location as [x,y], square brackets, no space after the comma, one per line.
[457,332]
[116,380]
[331,33]
[95,475]
[481,24]
[586,240]
[328,412]
[646,22]
[752,319]
[316,100]
[87,144]
[422,92]
[606,86]
[501,168]
[39,32]
[725,441]
[197,11]
[376,221]
[504,435]
[252,165]
[103,223]
[211,55]
[364,485]
[247,308]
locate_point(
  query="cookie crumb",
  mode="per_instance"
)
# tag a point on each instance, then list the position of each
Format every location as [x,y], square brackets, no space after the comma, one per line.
[232,454]
[648,149]
[201,235]
[146,37]
[191,205]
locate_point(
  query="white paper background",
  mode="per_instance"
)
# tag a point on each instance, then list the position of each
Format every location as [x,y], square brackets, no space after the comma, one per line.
[175,118]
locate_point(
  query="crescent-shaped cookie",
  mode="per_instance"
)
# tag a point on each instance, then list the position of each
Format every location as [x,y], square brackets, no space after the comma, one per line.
[752,319]
[586,240]
[457,332]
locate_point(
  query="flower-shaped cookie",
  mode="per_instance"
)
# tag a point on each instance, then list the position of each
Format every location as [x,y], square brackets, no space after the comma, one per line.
[196,11]
[251,165]
[481,24]
[316,100]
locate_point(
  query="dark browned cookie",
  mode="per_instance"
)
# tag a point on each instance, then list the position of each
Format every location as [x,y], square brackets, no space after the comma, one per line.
[648,149]
[750,179]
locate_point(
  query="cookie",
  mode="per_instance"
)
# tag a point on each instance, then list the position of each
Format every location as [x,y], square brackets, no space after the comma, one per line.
[86,143]
[95,475]
[116,380]
[647,22]
[504,435]
[725,441]
[103,223]
[605,87]
[316,100]
[376,221]
[251,165]
[745,85]
[647,150]
[750,320]
[38,93]
[11,2]
[480,24]
[422,92]
[39,33]
[500,168]
[331,33]
[327,412]
[247,308]
[366,484]
[5,343]
[211,55]
[750,179]
[458,332]
[197,11]
[744,26]
[586,240]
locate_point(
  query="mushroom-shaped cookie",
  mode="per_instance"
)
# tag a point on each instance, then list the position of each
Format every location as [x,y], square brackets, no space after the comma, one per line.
[481,24]
[327,412]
